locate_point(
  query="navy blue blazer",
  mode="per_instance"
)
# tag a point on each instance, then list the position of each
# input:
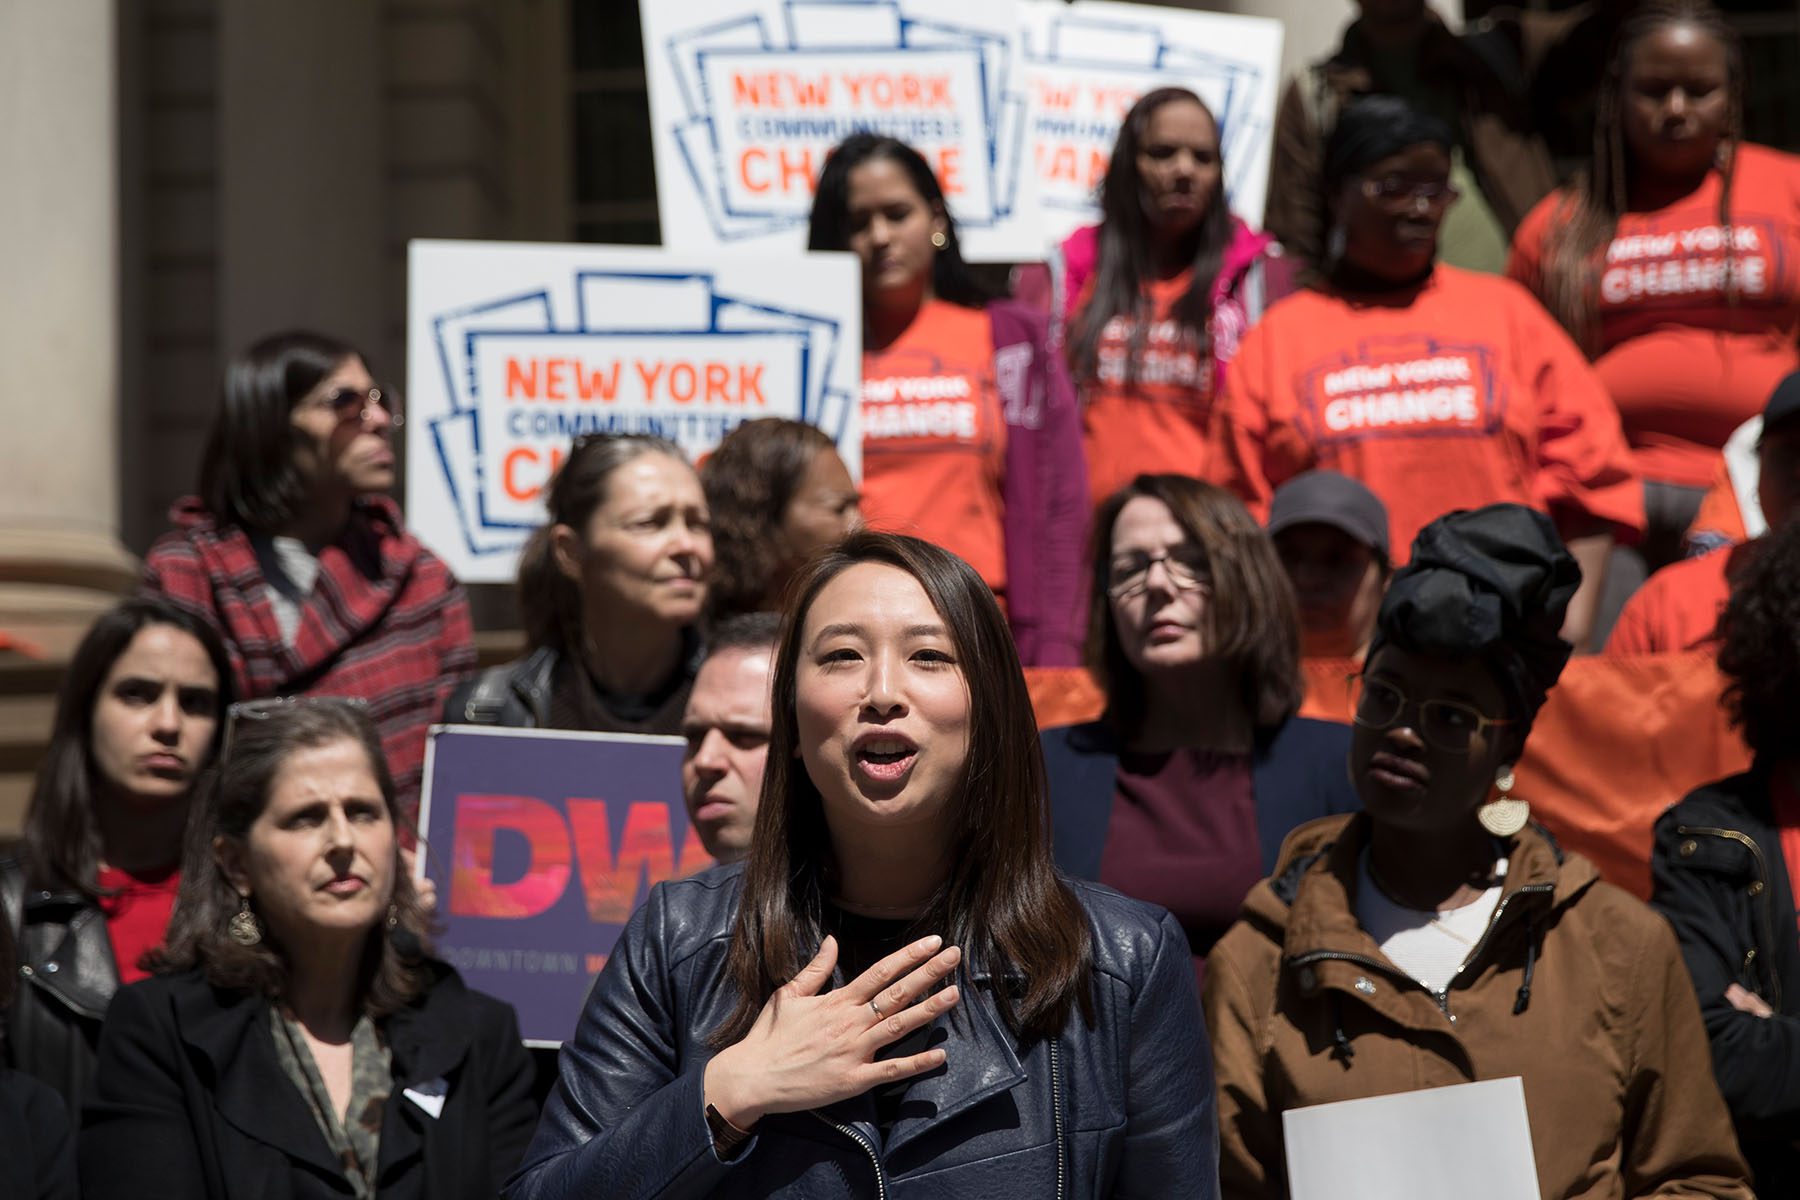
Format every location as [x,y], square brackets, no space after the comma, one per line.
[1299,771]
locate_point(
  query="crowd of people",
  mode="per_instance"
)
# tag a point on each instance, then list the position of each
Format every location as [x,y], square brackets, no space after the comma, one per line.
[1444,422]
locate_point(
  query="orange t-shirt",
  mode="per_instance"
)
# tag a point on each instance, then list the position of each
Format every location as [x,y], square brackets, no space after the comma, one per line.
[1460,393]
[1163,420]
[934,438]
[1685,365]
[1678,607]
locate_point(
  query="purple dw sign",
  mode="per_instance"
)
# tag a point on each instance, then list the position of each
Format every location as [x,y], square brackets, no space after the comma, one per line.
[541,843]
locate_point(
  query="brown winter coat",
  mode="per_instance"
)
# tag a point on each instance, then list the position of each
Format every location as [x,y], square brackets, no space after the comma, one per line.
[1577,987]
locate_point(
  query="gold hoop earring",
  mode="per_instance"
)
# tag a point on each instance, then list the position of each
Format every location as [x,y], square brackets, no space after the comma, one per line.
[939,239]
[1505,814]
[244,928]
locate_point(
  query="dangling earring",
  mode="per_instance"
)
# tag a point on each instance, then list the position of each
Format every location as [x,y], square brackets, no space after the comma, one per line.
[939,239]
[245,929]
[1335,243]
[1505,814]
[393,915]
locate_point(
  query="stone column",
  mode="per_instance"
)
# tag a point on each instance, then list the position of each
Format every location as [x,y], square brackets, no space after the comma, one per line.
[60,556]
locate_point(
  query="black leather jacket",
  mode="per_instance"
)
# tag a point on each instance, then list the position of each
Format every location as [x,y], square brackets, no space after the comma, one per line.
[1719,876]
[66,979]
[1124,1108]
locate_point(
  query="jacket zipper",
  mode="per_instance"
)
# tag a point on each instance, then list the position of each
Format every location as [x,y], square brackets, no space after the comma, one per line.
[1441,998]
[874,1158]
[1056,1115]
[1762,879]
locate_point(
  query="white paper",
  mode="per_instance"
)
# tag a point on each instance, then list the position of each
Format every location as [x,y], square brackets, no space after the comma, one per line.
[1471,1141]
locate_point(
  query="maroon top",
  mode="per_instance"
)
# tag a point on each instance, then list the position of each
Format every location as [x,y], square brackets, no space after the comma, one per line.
[1183,835]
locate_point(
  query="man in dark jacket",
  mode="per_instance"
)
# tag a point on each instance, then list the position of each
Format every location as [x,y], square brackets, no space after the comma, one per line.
[1723,867]
[1401,48]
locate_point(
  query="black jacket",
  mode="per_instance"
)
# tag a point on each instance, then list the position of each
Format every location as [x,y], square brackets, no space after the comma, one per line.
[1718,875]
[66,978]
[1124,1108]
[190,1102]
[37,1146]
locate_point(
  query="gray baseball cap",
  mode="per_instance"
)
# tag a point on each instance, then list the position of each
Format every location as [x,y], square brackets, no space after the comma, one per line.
[1329,498]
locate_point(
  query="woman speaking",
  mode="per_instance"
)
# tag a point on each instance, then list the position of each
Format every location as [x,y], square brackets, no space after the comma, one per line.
[898,995]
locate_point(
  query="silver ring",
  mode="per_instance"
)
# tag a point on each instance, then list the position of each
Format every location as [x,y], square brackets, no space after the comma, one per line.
[877,1008]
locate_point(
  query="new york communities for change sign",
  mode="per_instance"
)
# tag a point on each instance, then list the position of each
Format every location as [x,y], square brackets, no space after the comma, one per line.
[748,96]
[1087,64]
[515,350]
[541,844]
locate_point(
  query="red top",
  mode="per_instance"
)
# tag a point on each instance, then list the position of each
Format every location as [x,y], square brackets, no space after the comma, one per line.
[1183,835]
[934,438]
[137,914]
[1455,394]
[1679,607]
[1686,363]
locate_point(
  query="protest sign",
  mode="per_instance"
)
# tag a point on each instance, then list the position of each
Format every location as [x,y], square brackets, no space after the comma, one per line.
[514,350]
[1470,1140]
[1088,62]
[748,96]
[541,843]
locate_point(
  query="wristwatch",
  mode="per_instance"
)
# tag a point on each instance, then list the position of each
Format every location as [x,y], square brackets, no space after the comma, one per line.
[727,1138]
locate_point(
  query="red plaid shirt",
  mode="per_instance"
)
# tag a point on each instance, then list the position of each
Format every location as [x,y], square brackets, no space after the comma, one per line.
[386,621]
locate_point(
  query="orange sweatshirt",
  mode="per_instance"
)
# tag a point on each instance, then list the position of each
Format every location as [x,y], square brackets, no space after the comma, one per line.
[1163,420]
[934,438]
[1685,363]
[1454,394]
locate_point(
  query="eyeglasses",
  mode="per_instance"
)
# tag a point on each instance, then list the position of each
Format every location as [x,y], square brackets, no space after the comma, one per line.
[272,706]
[1186,567]
[1392,191]
[360,404]
[1446,724]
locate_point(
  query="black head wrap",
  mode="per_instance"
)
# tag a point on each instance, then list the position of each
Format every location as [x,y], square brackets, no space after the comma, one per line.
[1374,128]
[1491,584]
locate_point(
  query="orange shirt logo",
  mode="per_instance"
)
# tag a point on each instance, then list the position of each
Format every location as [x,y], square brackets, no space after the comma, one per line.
[926,399]
[1410,388]
[1675,265]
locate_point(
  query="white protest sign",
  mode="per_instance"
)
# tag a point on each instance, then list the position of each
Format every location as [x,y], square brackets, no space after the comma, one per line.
[515,350]
[1087,63]
[1471,1141]
[747,97]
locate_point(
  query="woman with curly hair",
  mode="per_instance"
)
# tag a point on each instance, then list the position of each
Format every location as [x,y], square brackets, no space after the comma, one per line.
[1726,864]
[1670,260]
[779,494]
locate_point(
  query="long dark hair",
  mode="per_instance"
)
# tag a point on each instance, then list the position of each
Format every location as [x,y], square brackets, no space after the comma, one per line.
[61,844]
[549,601]
[247,474]
[1003,902]
[1251,621]
[393,969]
[829,228]
[1124,261]
[749,482]
[1588,215]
